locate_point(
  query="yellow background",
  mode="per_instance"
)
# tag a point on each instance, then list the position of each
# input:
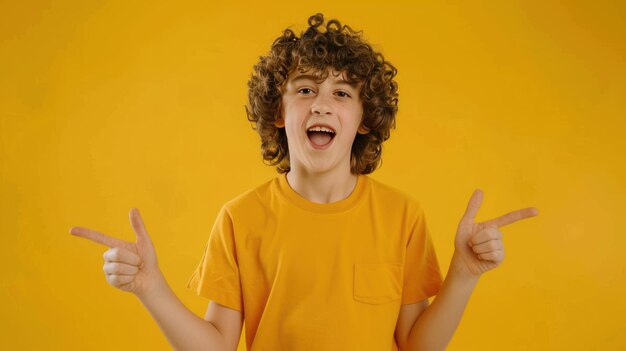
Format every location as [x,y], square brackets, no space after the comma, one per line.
[106,106]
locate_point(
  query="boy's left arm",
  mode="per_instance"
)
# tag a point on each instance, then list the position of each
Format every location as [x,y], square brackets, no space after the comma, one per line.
[478,249]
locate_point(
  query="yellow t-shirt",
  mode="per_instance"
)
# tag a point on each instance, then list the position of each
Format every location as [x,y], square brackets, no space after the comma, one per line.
[311,276]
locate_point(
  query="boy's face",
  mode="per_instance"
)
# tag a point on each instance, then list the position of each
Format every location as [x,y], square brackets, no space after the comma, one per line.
[321,120]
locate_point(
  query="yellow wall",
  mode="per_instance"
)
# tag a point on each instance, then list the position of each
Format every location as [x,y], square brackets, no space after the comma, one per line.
[109,105]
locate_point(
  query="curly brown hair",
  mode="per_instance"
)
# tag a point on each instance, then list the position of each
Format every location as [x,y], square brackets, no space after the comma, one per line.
[318,48]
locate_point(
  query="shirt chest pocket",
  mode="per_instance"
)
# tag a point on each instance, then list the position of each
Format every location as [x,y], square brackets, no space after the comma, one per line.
[377,283]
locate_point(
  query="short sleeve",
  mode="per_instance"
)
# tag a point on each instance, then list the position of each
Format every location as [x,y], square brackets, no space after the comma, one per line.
[217,274]
[422,277]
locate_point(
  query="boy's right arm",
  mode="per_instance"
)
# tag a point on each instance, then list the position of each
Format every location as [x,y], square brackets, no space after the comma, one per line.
[220,330]
[133,267]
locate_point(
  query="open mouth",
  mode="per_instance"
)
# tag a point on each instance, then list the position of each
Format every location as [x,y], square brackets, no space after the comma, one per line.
[320,136]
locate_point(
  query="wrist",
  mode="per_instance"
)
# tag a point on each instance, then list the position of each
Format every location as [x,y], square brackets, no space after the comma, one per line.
[459,271]
[157,287]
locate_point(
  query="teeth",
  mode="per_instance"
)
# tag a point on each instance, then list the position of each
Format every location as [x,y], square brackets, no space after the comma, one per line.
[320,129]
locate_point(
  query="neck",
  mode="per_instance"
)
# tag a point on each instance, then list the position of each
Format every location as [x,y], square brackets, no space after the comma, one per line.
[323,187]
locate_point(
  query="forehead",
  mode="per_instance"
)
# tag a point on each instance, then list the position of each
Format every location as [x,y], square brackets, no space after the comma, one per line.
[337,77]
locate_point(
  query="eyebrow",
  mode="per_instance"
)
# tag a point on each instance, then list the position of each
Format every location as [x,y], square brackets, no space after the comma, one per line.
[317,79]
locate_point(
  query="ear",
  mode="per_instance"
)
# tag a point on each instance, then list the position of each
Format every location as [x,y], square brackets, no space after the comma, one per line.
[279,123]
[363,130]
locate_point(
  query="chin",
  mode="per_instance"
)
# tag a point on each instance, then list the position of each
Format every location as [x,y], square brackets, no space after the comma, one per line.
[322,167]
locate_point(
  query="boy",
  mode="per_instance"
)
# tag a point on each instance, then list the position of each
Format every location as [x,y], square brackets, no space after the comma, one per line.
[322,257]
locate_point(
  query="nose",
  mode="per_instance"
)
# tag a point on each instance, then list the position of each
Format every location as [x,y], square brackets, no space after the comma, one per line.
[321,105]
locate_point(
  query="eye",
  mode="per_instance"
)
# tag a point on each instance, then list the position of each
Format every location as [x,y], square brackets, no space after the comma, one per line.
[305,91]
[343,94]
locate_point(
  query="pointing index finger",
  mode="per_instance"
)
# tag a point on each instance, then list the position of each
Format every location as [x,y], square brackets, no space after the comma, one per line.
[97,237]
[512,217]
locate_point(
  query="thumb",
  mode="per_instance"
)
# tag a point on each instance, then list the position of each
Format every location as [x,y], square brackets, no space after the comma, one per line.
[138,227]
[473,206]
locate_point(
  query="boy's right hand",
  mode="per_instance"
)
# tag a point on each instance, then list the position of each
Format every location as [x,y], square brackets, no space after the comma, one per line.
[128,266]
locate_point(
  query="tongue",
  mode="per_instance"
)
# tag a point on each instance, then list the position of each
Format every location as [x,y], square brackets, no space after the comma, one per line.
[320,138]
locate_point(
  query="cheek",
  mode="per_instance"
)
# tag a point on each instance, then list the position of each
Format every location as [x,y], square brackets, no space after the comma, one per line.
[355,120]
[291,132]
[292,129]
[294,117]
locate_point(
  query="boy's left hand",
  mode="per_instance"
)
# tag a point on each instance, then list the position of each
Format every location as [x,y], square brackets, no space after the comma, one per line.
[478,246]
